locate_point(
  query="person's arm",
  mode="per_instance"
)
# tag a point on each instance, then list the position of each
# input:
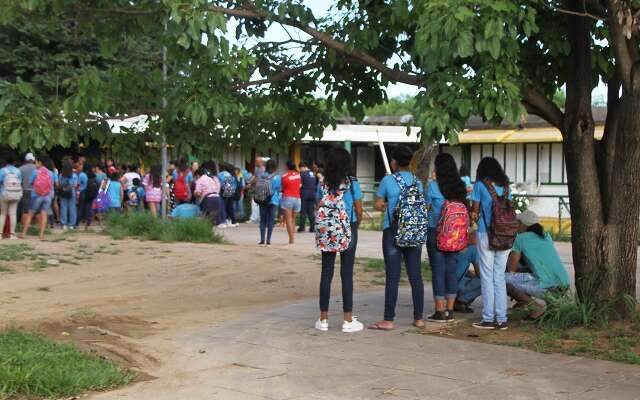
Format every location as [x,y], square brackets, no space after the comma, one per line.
[358,207]
[476,269]
[514,261]
[121,195]
[475,211]
[381,197]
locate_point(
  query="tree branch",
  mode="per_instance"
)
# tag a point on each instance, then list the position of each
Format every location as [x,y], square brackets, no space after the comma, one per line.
[361,57]
[538,104]
[284,74]
[577,13]
[116,12]
[624,57]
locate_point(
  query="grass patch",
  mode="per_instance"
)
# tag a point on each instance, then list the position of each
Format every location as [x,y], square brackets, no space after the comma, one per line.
[146,227]
[377,265]
[33,366]
[15,252]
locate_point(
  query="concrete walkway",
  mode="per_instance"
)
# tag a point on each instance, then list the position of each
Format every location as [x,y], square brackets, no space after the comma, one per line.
[277,355]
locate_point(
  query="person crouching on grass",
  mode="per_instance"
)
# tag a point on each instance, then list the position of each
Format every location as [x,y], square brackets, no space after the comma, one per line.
[535,247]
[339,211]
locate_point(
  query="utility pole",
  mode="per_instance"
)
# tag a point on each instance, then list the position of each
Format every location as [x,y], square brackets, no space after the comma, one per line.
[165,161]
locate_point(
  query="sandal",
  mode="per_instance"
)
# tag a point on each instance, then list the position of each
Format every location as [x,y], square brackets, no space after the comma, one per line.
[419,324]
[379,326]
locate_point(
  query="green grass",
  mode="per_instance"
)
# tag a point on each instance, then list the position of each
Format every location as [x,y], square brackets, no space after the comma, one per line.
[15,252]
[32,366]
[146,227]
[377,265]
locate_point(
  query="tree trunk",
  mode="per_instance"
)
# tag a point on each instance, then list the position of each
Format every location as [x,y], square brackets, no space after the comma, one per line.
[423,157]
[605,206]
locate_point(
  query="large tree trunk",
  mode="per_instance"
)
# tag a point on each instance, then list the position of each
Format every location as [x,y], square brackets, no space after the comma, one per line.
[605,205]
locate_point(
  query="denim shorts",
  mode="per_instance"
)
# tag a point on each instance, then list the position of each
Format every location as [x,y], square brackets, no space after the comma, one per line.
[40,203]
[290,203]
[526,283]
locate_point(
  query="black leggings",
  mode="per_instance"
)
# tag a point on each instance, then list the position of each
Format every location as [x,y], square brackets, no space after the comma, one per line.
[347,260]
[230,209]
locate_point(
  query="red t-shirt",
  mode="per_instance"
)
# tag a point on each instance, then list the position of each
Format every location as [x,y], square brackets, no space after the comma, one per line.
[291,183]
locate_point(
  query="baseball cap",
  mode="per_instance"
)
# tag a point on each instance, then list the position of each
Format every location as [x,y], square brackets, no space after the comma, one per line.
[528,218]
[29,157]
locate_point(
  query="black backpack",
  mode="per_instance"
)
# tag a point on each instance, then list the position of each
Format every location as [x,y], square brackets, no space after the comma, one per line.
[92,190]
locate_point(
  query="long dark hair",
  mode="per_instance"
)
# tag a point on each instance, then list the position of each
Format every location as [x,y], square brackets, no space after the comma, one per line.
[537,229]
[67,169]
[490,168]
[448,178]
[271,166]
[88,170]
[156,175]
[338,168]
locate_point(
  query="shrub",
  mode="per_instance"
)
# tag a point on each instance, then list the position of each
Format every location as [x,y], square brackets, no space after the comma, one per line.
[145,226]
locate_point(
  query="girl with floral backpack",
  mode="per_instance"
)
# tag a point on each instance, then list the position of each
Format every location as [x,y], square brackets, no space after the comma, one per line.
[447,235]
[339,212]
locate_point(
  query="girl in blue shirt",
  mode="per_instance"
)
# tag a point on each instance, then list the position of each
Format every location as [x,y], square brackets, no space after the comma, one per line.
[492,263]
[268,210]
[338,177]
[386,201]
[446,187]
[68,186]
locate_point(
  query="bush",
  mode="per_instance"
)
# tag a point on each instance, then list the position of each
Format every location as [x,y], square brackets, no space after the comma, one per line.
[145,226]
[31,365]
[566,309]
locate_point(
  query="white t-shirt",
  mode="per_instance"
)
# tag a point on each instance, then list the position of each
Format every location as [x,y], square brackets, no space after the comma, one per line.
[129,177]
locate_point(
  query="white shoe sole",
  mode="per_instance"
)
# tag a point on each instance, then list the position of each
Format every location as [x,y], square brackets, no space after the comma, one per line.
[352,330]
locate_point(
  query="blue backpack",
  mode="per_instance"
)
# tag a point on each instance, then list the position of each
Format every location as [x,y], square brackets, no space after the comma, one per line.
[410,216]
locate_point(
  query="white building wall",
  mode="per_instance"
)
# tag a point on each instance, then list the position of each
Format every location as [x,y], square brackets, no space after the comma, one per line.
[366,169]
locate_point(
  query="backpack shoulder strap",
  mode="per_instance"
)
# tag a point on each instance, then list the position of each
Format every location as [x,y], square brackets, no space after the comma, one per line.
[491,189]
[400,181]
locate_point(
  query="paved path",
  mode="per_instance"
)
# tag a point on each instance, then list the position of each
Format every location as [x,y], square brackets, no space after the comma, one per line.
[277,355]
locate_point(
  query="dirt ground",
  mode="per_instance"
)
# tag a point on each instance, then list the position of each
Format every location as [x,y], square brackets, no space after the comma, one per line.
[114,298]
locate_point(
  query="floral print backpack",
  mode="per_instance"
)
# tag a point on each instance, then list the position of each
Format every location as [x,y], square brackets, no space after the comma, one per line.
[333,225]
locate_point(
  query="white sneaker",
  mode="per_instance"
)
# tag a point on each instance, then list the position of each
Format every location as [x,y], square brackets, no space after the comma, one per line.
[322,325]
[235,225]
[222,226]
[353,326]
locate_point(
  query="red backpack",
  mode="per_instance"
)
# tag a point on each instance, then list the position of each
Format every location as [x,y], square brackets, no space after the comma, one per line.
[504,224]
[42,184]
[453,227]
[181,189]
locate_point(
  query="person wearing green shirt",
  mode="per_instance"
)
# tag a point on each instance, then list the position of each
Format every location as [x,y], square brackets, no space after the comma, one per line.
[535,247]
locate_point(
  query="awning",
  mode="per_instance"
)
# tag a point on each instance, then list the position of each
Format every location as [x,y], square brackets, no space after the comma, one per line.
[484,136]
[531,135]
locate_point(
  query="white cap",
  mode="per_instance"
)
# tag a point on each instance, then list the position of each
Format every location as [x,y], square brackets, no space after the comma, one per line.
[29,157]
[528,218]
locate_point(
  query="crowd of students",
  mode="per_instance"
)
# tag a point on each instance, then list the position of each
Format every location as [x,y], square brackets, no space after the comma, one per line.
[462,225]
[80,192]
[476,243]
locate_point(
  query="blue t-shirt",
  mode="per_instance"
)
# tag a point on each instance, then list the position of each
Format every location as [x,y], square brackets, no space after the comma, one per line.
[481,194]
[4,171]
[276,189]
[100,176]
[185,210]
[114,194]
[466,257]
[389,190]
[34,174]
[82,182]
[350,197]
[435,201]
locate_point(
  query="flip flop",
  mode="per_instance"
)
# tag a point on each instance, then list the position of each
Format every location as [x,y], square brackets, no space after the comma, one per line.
[420,325]
[377,327]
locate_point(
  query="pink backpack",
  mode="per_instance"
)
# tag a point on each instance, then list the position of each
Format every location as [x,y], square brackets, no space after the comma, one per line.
[453,227]
[42,184]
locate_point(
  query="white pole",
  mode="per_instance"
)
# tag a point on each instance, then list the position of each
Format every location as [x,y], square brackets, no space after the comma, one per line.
[384,153]
[165,161]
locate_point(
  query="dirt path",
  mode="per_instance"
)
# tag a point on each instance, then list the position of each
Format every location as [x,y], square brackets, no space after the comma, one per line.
[117,297]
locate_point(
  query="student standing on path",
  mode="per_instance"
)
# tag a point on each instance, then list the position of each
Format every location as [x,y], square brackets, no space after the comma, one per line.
[444,193]
[268,205]
[115,192]
[83,180]
[308,194]
[492,262]
[387,199]
[153,189]
[26,170]
[228,187]
[42,181]
[10,193]
[340,192]
[290,203]
[67,189]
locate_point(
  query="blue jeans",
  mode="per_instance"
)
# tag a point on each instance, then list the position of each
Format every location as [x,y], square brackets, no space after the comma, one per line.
[393,256]
[469,289]
[492,276]
[267,221]
[347,259]
[239,208]
[526,283]
[68,211]
[444,266]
